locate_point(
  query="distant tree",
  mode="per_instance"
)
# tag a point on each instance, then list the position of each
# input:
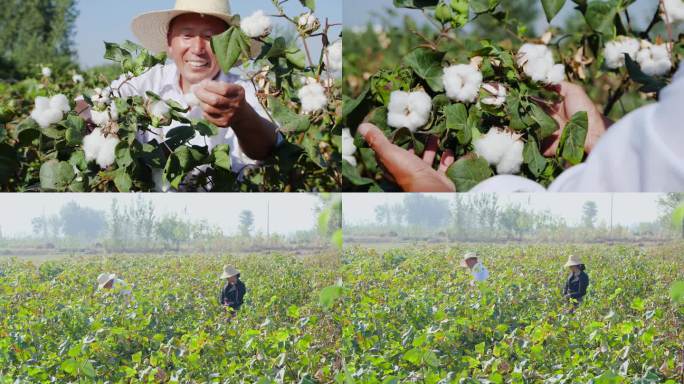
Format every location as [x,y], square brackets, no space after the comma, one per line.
[172,231]
[246,223]
[426,211]
[82,222]
[36,32]
[382,214]
[589,212]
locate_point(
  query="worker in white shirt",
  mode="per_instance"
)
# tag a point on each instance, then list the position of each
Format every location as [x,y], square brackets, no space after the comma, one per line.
[109,281]
[477,269]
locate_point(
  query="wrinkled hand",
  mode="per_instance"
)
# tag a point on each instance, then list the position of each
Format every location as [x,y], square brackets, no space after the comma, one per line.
[410,172]
[222,103]
[575,99]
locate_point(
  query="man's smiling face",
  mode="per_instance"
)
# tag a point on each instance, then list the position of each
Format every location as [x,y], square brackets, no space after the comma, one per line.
[189,41]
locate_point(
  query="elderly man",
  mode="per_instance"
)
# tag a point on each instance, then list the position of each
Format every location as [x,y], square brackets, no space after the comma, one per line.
[478,270]
[109,281]
[224,99]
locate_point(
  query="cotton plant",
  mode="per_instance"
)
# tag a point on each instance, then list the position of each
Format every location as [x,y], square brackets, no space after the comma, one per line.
[493,104]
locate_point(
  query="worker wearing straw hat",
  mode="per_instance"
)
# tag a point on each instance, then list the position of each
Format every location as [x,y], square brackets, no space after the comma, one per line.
[193,78]
[477,269]
[576,286]
[109,281]
[233,293]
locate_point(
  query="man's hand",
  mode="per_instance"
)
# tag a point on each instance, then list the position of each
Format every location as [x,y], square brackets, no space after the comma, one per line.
[410,172]
[575,99]
[225,105]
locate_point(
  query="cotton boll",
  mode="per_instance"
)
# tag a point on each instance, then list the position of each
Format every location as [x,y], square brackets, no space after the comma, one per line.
[615,50]
[409,110]
[46,117]
[674,10]
[335,56]
[536,60]
[107,154]
[654,60]
[256,25]
[60,103]
[101,118]
[348,147]
[159,109]
[92,144]
[191,98]
[42,103]
[462,82]
[308,22]
[101,96]
[46,72]
[498,94]
[556,74]
[512,160]
[493,145]
[313,98]
[77,78]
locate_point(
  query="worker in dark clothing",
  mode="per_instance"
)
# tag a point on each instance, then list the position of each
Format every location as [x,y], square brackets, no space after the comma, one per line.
[576,287]
[233,293]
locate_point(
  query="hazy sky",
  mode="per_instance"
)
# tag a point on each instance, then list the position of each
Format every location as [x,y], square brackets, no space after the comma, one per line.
[101,20]
[289,212]
[361,12]
[628,208]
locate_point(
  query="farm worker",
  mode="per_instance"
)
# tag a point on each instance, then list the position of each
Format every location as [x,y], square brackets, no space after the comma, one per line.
[578,281]
[109,281]
[478,270]
[640,153]
[233,293]
[225,99]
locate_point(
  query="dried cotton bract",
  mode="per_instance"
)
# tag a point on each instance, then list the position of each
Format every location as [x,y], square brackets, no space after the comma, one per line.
[409,110]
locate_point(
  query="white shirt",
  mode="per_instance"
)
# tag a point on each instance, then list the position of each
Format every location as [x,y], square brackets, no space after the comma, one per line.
[480,273]
[163,80]
[642,152]
[121,287]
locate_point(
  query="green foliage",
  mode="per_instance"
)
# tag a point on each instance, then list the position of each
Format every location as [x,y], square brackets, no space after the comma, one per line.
[172,329]
[414,316]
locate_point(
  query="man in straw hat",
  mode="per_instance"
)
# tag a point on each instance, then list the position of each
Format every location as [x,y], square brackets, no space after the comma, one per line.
[233,293]
[225,99]
[578,281]
[478,270]
[109,281]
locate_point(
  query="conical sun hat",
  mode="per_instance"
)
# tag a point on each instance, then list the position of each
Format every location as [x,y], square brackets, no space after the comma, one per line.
[466,256]
[104,278]
[229,271]
[573,260]
[151,28]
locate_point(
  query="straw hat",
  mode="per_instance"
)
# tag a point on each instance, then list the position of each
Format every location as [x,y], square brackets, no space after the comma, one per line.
[104,278]
[151,28]
[468,255]
[573,260]
[229,271]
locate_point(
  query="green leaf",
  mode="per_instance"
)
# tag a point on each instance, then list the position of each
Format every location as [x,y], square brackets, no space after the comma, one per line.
[650,83]
[221,156]
[428,65]
[552,7]
[677,292]
[206,128]
[56,175]
[457,119]
[114,52]
[75,130]
[415,4]
[69,366]
[678,217]
[136,357]
[467,173]
[571,146]
[8,162]
[88,369]
[123,154]
[311,4]
[482,6]
[547,125]
[229,47]
[122,180]
[600,16]
[289,121]
[352,176]
[536,163]
[329,295]
[337,239]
